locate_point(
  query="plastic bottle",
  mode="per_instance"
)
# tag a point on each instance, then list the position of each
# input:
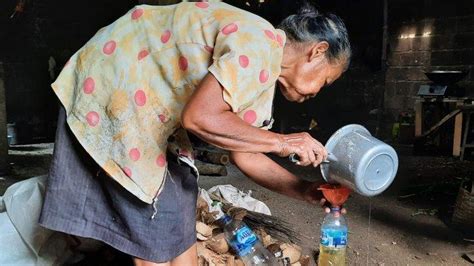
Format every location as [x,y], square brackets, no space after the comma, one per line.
[245,243]
[333,242]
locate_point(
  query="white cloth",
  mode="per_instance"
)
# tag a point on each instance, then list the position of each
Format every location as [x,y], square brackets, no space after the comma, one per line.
[240,199]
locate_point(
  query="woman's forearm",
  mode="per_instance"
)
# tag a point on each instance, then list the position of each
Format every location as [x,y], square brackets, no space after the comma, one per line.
[267,173]
[209,117]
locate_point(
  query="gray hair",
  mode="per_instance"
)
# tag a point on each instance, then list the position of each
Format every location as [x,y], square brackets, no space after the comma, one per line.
[309,26]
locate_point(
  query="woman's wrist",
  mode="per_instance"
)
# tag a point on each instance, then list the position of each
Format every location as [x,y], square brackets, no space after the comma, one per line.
[280,146]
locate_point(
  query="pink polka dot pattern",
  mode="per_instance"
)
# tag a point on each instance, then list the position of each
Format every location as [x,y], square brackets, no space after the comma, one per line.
[202,4]
[127,171]
[89,85]
[163,118]
[250,116]
[109,47]
[270,34]
[161,160]
[165,37]
[184,152]
[140,98]
[279,40]
[137,13]
[92,118]
[230,28]
[142,54]
[263,76]
[134,154]
[209,49]
[243,61]
[183,63]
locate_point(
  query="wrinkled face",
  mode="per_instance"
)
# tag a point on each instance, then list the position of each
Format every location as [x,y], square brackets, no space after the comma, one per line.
[306,78]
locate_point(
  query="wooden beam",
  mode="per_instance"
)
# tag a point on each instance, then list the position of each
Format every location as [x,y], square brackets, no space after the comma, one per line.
[445,119]
[457,132]
[3,126]
[418,118]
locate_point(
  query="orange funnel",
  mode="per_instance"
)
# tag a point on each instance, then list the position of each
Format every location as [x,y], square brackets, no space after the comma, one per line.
[335,194]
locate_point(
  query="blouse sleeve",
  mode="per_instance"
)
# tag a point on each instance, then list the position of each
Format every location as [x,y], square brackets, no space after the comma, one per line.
[246,62]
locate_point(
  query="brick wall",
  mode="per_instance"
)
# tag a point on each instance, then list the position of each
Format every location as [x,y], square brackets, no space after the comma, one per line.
[426,35]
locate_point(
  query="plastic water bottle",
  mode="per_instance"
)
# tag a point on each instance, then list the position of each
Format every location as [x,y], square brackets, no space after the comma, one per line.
[245,243]
[333,242]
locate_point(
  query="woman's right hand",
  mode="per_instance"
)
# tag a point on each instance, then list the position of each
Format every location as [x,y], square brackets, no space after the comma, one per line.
[308,149]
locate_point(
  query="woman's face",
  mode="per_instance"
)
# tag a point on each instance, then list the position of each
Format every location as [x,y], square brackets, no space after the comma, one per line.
[305,78]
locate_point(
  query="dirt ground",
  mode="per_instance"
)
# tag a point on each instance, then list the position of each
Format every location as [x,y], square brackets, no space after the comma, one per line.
[413,229]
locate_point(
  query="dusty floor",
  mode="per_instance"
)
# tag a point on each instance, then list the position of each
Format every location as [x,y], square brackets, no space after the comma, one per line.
[409,231]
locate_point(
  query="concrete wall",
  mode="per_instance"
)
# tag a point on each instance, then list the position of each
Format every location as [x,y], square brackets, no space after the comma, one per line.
[426,35]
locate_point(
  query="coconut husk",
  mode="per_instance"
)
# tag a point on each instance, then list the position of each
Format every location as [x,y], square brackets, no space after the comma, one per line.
[202,212]
[207,257]
[203,231]
[291,251]
[218,244]
[275,250]
[305,260]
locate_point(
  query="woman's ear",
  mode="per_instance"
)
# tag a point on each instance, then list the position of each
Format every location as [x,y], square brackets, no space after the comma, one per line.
[318,50]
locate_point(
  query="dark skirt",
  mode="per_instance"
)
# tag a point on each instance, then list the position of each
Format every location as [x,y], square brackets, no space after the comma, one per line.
[82,200]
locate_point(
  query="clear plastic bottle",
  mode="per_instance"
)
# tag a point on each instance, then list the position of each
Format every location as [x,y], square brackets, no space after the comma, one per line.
[245,243]
[333,242]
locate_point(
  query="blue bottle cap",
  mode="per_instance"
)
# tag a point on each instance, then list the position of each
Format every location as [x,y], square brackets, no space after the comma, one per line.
[225,219]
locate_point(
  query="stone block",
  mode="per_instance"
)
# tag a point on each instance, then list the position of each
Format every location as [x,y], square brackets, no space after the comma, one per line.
[464,7]
[421,44]
[395,74]
[445,58]
[444,25]
[416,74]
[394,59]
[441,42]
[404,88]
[466,23]
[402,45]
[415,59]
[466,56]
[463,40]
[390,88]
[395,102]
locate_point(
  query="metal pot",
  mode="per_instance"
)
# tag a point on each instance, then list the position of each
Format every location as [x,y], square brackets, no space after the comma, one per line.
[446,77]
[360,161]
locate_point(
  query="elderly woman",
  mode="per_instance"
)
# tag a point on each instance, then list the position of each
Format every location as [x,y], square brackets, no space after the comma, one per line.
[123,171]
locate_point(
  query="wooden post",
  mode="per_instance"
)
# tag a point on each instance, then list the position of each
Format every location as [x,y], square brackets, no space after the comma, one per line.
[3,126]
[457,131]
[418,117]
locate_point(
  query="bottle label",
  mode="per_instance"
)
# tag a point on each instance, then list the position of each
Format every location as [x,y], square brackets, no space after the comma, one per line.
[243,241]
[334,238]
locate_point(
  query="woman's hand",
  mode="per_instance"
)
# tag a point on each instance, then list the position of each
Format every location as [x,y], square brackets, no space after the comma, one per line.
[309,150]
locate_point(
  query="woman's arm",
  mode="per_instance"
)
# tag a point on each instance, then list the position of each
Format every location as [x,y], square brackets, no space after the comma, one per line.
[208,116]
[267,173]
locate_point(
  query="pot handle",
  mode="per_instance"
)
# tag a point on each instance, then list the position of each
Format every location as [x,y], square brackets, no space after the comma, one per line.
[294,158]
